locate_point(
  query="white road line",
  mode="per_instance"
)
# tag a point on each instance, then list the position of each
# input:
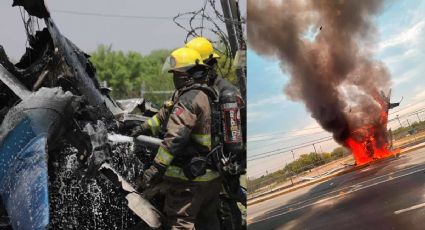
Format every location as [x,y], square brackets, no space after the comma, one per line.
[409,209]
[339,195]
[355,186]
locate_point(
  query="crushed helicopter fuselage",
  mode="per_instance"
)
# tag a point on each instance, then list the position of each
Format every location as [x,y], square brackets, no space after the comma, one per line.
[48,162]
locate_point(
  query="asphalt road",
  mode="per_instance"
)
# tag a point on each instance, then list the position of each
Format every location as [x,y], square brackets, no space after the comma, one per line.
[386,195]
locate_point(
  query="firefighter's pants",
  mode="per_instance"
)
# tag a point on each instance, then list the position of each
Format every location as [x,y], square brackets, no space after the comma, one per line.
[192,205]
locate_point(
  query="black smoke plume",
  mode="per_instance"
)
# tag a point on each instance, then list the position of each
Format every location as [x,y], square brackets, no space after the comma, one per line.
[332,70]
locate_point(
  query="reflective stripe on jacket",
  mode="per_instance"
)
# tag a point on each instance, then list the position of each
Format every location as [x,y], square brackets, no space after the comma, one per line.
[188,123]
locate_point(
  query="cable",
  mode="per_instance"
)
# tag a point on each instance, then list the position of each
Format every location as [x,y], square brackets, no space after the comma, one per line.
[407,106]
[208,23]
[288,151]
[285,137]
[420,110]
[297,146]
[285,132]
[116,15]
[275,142]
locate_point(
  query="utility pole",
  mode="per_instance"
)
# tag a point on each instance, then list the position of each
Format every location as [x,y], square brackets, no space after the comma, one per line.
[314,148]
[237,44]
[227,12]
[419,119]
[399,121]
[293,156]
[413,130]
[290,176]
[408,123]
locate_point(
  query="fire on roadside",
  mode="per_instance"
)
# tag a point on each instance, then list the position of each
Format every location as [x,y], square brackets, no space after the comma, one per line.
[370,142]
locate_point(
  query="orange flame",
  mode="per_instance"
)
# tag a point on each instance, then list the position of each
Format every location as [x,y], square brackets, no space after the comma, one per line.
[366,150]
[370,142]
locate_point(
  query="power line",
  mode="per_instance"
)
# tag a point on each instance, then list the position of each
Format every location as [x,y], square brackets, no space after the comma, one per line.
[420,110]
[293,147]
[275,142]
[285,132]
[261,157]
[407,106]
[119,15]
[285,137]
[316,127]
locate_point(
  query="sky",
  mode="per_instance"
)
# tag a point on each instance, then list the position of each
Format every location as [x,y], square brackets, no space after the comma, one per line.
[275,122]
[87,32]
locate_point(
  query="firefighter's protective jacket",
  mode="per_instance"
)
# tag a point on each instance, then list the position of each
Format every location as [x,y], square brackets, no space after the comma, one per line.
[188,133]
[156,123]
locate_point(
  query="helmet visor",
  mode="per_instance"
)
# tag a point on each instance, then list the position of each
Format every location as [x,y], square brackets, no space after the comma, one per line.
[169,64]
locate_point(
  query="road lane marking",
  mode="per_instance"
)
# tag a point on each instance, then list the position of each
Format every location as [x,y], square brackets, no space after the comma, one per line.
[409,209]
[355,186]
[337,196]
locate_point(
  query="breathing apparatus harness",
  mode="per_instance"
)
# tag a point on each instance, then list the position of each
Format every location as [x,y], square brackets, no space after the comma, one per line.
[226,135]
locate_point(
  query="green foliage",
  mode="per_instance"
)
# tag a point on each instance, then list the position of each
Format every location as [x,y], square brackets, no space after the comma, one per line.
[403,131]
[227,71]
[305,162]
[226,66]
[126,72]
[338,152]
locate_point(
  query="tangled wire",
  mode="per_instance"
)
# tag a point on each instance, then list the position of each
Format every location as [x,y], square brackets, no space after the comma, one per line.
[210,21]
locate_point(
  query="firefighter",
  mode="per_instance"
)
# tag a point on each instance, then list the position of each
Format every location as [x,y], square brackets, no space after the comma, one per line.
[229,212]
[210,58]
[154,126]
[205,49]
[191,189]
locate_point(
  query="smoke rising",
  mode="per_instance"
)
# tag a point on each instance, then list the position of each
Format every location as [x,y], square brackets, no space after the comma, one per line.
[331,68]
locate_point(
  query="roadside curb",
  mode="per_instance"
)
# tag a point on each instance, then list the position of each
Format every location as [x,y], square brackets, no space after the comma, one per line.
[279,193]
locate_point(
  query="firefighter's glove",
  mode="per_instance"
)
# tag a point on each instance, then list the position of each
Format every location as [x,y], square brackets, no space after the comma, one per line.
[152,176]
[140,130]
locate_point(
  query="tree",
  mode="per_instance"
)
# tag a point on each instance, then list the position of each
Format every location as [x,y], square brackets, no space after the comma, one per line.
[126,72]
[338,152]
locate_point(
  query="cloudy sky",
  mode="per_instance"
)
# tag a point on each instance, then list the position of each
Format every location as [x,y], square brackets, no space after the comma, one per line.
[152,28]
[275,122]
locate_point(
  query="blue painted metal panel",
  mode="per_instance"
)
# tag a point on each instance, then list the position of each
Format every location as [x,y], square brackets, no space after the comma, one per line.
[24,178]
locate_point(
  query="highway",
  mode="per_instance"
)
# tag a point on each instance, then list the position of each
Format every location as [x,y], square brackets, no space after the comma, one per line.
[389,194]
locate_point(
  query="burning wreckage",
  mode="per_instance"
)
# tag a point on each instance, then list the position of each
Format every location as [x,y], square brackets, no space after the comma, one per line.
[332,72]
[371,141]
[59,156]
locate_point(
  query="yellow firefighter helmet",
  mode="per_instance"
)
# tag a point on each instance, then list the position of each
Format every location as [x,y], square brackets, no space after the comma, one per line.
[182,60]
[203,46]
